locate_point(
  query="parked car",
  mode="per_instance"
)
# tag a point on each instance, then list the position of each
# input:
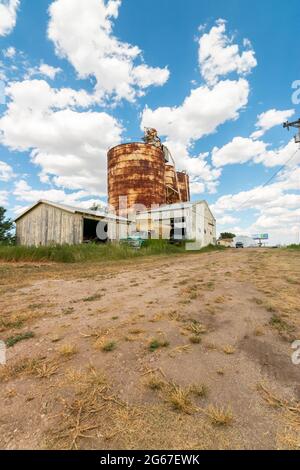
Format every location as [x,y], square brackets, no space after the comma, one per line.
[135,240]
[239,245]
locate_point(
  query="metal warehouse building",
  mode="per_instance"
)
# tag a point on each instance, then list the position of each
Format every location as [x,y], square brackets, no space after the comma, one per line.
[187,221]
[47,223]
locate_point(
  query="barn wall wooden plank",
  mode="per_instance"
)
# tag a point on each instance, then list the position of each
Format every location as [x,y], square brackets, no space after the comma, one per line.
[46,225]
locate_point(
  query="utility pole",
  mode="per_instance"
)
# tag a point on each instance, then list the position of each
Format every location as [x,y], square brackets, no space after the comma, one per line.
[296,125]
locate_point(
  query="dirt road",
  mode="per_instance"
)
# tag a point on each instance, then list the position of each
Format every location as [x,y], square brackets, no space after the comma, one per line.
[190,351]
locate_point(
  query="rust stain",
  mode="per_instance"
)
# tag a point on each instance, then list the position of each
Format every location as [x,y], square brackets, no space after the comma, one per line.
[137,171]
[184,186]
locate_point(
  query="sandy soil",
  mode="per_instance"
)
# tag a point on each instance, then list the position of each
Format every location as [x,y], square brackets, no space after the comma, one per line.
[190,351]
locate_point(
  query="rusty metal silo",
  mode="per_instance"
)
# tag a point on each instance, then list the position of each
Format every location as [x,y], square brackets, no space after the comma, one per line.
[172,186]
[137,171]
[184,185]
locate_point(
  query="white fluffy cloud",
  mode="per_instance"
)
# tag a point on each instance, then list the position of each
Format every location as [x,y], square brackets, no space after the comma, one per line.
[10,52]
[270,119]
[83,33]
[8,15]
[241,150]
[207,107]
[200,114]
[6,172]
[276,208]
[227,220]
[3,198]
[25,193]
[49,71]
[218,56]
[68,145]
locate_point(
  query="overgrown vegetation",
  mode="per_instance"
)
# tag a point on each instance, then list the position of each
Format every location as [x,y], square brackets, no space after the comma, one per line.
[293,247]
[92,252]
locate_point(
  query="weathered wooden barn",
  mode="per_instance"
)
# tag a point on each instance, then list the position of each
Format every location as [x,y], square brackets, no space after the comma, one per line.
[47,223]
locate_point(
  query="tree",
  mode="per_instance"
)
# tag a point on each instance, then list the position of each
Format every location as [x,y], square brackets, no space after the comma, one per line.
[227,236]
[6,227]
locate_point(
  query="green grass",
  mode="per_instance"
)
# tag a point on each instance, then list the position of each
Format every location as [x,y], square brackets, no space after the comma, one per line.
[10,342]
[280,324]
[156,344]
[93,252]
[109,346]
[293,247]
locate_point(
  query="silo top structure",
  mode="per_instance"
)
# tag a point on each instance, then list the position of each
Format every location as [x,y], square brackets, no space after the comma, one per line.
[140,173]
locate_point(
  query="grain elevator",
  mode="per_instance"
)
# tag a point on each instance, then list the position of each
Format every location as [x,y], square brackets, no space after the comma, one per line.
[145,174]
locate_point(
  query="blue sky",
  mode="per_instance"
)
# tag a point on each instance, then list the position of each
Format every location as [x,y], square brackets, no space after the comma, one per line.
[215,79]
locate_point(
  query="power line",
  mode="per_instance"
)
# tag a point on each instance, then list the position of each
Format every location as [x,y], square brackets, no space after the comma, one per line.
[264,185]
[270,179]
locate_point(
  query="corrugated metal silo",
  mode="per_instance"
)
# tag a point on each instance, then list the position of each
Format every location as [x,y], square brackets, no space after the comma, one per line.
[172,186]
[137,171]
[184,185]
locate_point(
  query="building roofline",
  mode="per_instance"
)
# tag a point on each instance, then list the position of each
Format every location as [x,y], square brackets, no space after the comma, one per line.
[178,206]
[72,210]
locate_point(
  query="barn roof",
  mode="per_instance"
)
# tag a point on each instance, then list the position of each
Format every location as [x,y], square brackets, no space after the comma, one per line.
[73,210]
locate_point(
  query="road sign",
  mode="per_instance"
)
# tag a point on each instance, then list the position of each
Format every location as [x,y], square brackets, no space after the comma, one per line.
[261,236]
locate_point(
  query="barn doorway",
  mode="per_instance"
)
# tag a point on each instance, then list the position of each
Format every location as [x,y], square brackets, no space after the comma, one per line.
[90,231]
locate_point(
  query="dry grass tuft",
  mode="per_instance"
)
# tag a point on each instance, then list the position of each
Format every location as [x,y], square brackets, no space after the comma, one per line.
[92,406]
[179,398]
[68,350]
[157,317]
[136,331]
[155,383]
[175,316]
[186,348]
[194,339]
[219,416]
[24,366]
[196,328]
[199,390]
[259,331]
[290,409]
[108,346]
[220,300]
[228,349]
[93,298]
[276,402]
[46,370]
